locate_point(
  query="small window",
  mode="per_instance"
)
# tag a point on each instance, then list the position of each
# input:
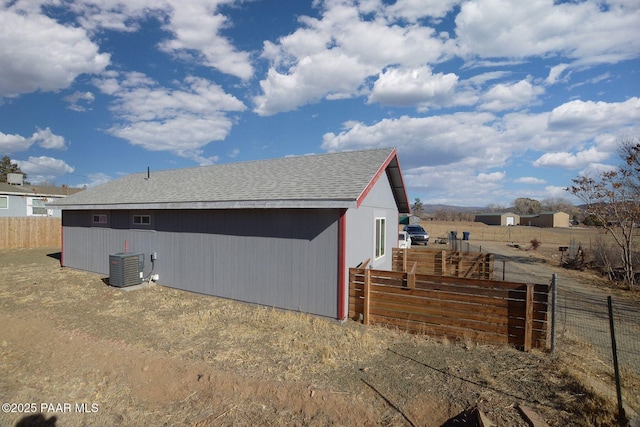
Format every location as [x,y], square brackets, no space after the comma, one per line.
[142,219]
[380,237]
[4,202]
[99,218]
[38,207]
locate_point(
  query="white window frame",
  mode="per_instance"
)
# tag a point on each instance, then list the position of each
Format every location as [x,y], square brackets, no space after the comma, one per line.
[142,220]
[380,237]
[6,203]
[43,207]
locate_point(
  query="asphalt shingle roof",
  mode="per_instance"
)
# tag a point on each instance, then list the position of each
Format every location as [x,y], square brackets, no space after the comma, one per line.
[325,180]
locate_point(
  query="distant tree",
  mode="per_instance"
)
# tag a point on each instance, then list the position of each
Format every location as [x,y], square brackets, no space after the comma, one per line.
[7,167]
[560,204]
[494,207]
[526,206]
[613,200]
[417,208]
[557,204]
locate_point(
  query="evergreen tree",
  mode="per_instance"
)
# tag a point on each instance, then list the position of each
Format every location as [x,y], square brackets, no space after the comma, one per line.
[6,167]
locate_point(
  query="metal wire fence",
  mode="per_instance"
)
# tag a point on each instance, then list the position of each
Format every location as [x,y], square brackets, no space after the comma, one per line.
[583,326]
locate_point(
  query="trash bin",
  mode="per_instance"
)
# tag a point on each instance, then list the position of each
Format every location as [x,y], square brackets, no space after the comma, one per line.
[454,235]
[465,235]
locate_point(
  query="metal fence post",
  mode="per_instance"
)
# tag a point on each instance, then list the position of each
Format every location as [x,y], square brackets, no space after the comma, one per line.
[622,419]
[554,309]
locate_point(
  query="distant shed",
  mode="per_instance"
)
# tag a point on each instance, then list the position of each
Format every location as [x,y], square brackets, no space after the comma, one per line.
[546,219]
[506,218]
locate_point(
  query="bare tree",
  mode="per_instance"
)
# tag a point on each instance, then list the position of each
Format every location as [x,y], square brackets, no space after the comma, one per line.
[613,199]
[494,207]
[417,208]
[526,206]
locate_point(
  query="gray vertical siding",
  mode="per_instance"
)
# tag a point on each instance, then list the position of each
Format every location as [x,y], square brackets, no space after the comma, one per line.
[286,258]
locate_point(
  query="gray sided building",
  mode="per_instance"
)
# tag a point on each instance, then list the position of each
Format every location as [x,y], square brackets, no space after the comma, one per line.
[279,232]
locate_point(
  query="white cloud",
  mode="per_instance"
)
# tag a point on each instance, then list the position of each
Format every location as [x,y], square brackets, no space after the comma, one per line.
[43,137]
[491,177]
[332,57]
[37,53]
[581,31]
[44,169]
[596,169]
[196,27]
[46,139]
[555,73]
[411,87]
[413,10]
[326,74]
[182,120]
[14,143]
[76,100]
[570,160]
[589,116]
[530,180]
[553,191]
[95,179]
[449,153]
[510,96]
[458,140]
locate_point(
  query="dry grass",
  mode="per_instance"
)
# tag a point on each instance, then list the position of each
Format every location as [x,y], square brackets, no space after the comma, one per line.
[176,358]
[520,234]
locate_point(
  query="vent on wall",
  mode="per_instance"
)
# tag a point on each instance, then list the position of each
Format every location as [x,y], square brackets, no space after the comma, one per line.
[125,269]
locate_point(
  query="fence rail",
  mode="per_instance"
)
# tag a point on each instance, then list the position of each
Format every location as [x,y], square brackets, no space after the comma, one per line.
[30,232]
[444,262]
[480,310]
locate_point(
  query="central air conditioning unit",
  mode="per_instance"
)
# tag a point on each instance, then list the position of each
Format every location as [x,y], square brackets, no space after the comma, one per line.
[126,269]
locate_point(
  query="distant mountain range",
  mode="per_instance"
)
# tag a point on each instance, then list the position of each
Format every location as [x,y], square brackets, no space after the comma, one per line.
[428,208]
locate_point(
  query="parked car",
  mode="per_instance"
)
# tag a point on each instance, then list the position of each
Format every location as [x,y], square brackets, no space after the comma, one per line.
[417,234]
[404,240]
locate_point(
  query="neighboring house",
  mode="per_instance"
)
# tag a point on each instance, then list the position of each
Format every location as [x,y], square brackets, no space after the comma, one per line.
[409,219]
[20,200]
[279,232]
[546,219]
[507,218]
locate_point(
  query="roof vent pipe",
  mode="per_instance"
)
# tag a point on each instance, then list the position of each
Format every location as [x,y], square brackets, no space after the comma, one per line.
[148,173]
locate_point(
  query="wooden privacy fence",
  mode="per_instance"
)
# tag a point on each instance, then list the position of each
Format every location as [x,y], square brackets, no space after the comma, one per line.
[30,232]
[444,263]
[486,311]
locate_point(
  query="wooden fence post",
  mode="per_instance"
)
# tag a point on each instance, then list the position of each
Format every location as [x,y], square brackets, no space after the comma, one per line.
[367,294]
[404,259]
[411,276]
[528,318]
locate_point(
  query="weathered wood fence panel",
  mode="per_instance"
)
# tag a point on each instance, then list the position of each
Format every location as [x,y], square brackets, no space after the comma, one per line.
[481,310]
[30,232]
[435,262]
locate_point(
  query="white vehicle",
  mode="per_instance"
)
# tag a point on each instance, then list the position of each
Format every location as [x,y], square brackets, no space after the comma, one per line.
[404,240]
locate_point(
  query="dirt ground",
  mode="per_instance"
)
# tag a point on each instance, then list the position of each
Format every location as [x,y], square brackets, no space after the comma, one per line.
[76,352]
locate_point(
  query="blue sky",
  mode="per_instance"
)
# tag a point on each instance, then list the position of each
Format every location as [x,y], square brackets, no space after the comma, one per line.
[485,100]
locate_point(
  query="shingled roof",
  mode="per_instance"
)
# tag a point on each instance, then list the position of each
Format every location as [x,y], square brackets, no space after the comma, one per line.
[334,180]
[36,190]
